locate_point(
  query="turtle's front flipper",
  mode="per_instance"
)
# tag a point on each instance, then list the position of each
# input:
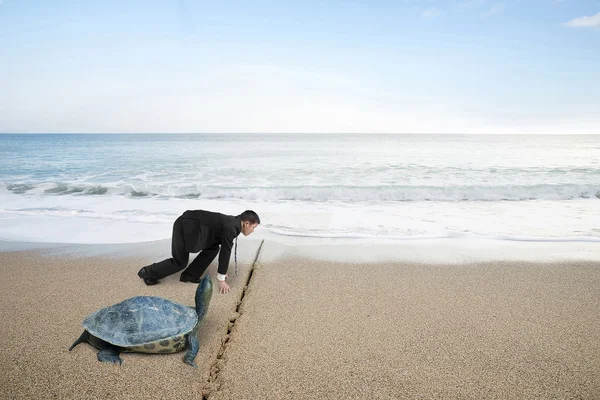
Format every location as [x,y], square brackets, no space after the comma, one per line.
[193,346]
[110,354]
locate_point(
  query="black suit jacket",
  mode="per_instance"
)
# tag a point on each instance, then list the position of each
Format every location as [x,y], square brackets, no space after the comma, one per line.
[205,229]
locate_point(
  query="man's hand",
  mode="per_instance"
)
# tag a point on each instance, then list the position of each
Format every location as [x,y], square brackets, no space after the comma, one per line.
[223,287]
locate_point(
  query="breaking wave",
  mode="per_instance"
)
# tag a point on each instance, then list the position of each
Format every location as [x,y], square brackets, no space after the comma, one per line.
[316,193]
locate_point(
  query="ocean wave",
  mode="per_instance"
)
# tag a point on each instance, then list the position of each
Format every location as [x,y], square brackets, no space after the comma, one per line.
[321,193]
[76,189]
[18,188]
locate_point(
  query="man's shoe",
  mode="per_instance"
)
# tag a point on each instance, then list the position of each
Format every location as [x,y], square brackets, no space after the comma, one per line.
[186,278]
[147,280]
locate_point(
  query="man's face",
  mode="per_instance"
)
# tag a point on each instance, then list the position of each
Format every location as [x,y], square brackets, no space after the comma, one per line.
[248,228]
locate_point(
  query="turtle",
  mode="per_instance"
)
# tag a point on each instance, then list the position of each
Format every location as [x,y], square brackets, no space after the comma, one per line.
[147,324]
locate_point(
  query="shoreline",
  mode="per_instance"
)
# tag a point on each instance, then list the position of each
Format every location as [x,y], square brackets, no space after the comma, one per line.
[351,250]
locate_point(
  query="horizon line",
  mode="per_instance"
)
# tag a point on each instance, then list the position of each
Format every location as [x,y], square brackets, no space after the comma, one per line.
[295,133]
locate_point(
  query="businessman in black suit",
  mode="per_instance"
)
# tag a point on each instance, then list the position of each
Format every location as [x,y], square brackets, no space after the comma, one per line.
[205,232]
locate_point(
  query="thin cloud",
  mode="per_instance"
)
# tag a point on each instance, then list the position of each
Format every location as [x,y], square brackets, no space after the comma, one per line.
[472,3]
[584,22]
[496,9]
[430,13]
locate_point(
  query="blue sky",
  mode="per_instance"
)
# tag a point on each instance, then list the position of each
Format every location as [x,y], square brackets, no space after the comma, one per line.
[405,66]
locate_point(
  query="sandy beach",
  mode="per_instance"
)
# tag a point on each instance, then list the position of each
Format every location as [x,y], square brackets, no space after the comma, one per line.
[46,294]
[311,328]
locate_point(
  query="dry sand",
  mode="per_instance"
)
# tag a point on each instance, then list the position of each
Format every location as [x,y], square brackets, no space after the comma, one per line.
[46,294]
[394,331]
[313,329]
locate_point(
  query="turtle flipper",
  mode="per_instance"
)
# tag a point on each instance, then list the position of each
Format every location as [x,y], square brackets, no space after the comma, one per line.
[110,355]
[82,338]
[193,347]
[108,352]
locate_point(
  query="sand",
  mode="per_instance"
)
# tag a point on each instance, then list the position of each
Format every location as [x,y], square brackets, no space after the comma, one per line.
[46,294]
[309,328]
[493,330]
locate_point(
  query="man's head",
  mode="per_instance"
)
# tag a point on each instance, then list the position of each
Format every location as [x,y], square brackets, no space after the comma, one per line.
[250,221]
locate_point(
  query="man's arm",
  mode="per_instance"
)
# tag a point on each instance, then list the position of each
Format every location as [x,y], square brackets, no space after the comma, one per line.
[225,253]
[224,256]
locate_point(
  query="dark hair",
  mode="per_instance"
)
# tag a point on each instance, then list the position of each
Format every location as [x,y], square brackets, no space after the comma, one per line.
[250,216]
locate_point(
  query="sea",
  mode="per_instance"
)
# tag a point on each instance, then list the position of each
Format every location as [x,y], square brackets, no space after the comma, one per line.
[129,188]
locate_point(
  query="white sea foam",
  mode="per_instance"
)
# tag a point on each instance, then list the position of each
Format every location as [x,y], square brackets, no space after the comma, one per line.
[77,219]
[318,193]
[128,189]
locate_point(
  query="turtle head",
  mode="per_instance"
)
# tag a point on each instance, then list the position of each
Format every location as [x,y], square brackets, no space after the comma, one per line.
[203,295]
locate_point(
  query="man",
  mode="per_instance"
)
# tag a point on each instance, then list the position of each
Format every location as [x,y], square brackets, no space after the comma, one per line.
[201,231]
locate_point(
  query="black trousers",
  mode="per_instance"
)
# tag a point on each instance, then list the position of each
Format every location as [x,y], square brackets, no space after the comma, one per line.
[181,257]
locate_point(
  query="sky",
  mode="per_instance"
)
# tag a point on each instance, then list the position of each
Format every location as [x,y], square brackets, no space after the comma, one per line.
[404,66]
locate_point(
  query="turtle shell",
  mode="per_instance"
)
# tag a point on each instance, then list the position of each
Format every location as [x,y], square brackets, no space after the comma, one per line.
[141,320]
